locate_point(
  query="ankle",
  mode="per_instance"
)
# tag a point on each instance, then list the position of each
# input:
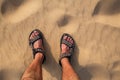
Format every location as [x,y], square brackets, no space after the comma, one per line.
[65,61]
[39,57]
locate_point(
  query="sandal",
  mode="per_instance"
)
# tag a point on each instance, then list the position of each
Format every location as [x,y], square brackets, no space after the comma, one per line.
[70,45]
[32,41]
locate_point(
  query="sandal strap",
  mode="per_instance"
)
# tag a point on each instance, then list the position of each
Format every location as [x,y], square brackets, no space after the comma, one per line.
[39,50]
[64,55]
[32,41]
[70,45]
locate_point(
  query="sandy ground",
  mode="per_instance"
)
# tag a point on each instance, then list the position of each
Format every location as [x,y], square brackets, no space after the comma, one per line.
[94,25]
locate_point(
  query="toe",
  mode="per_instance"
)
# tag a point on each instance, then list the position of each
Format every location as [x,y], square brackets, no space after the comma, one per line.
[32,36]
[68,38]
[71,40]
[36,33]
[65,37]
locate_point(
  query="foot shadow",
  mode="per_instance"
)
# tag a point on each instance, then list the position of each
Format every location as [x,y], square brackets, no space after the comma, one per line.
[50,64]
[115,70]
[107,7]
[2,76]
[82,72]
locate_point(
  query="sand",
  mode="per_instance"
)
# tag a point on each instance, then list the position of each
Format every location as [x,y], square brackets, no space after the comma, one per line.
[93,24]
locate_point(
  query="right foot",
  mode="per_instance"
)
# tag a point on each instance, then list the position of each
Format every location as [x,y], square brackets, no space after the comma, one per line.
[66,49]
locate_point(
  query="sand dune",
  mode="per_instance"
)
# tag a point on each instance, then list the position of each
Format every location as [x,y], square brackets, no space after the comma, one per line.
[95,30]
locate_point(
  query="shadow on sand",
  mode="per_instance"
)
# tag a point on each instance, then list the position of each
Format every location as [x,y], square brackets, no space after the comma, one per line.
[50,64]
[107,7]
[2,75]
[82,71]
[9,5]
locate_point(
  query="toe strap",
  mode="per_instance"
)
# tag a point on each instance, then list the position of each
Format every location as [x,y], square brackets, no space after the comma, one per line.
[37,37]
[67,43]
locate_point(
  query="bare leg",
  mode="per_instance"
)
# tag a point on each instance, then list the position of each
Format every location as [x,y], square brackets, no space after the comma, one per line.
[68,72]
[34,71]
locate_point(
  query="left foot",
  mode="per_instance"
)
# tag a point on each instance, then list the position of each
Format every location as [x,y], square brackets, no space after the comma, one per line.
[37,44]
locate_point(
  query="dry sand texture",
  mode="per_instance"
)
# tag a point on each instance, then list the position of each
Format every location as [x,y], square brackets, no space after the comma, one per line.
[94,25]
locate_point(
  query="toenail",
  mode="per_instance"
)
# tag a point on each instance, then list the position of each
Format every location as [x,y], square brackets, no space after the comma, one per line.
[72,41]
[68,38]
[65,37]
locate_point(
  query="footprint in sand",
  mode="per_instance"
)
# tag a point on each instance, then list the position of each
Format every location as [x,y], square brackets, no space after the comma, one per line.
[17,10]
[107,12]
[66,22]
